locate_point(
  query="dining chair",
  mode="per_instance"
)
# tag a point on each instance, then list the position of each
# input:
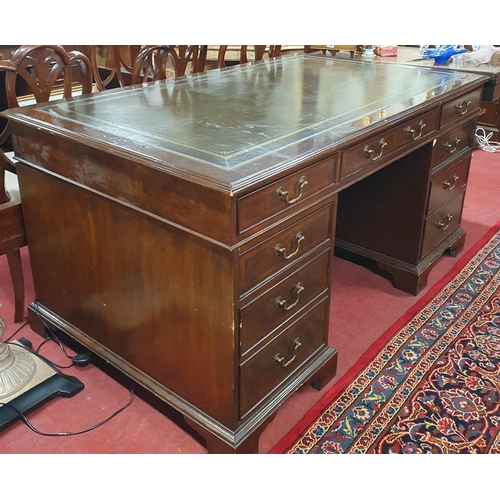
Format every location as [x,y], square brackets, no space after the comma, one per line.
[34,74]
[332,49]
[243,54]
[112,64]
[12,234]
[188,56]
[158,62]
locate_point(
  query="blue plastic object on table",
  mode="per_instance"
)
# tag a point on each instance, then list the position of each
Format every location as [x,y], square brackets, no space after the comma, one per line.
[443,53]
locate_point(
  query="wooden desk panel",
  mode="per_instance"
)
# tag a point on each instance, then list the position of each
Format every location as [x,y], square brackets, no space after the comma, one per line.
[133,209]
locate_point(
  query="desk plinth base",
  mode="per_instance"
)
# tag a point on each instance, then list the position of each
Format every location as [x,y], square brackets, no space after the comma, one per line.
[250,444]
[218,438]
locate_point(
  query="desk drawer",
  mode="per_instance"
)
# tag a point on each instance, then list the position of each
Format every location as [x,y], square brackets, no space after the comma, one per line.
[490,113]
[458,108]
[447,181]
[417,129]
[452,143]
[285,248]
[443,222]
[376,149]
[284,300]
[285,194]
[279,359]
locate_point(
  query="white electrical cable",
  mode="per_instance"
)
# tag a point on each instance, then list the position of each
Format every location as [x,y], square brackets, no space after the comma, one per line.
[484,142]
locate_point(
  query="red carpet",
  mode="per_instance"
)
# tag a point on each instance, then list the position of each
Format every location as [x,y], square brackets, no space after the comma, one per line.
[364,306]
[430,384]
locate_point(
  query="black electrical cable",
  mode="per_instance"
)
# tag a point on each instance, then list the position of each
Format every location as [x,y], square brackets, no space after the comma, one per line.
[54,337]
[70,433]
[16,332]
[79,360]
[82,359]
[40,356]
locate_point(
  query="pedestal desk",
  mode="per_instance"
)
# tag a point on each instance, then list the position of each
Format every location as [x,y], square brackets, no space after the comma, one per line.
[184,230]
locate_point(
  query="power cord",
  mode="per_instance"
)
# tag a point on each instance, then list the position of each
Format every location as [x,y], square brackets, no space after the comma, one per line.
[16,332]
[81,360]
[26,344]
[484,142]
[70,433]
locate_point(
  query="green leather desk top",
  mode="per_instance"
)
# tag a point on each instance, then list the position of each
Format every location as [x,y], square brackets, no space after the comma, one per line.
[232,119]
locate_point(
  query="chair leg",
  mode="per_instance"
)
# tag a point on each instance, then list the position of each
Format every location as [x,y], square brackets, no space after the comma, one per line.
[16,272]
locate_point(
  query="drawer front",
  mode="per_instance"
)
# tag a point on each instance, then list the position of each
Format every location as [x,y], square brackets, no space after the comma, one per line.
[376,149]
[447,181]
[263,316]
[443,222]
[452,143]
[286,194]
[460,107]
[418,129]
[490,112]
[278,360]
[285,248]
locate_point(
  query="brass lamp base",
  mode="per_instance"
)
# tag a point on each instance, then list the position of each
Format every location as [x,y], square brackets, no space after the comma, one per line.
[26,381]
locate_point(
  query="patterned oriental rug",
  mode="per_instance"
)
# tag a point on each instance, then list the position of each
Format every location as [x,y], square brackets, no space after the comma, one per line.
[431,384]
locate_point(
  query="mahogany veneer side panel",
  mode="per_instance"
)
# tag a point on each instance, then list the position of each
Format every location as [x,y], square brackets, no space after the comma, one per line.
[161,299]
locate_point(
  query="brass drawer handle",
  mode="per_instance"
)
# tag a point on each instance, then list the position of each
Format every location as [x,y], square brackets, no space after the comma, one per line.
[369,152]
[482,111]
[280,302]
[283,193]
[444,224]
[451,146]
[412,131]
[282,251]
[462,108]
[451,182]
[278,358]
